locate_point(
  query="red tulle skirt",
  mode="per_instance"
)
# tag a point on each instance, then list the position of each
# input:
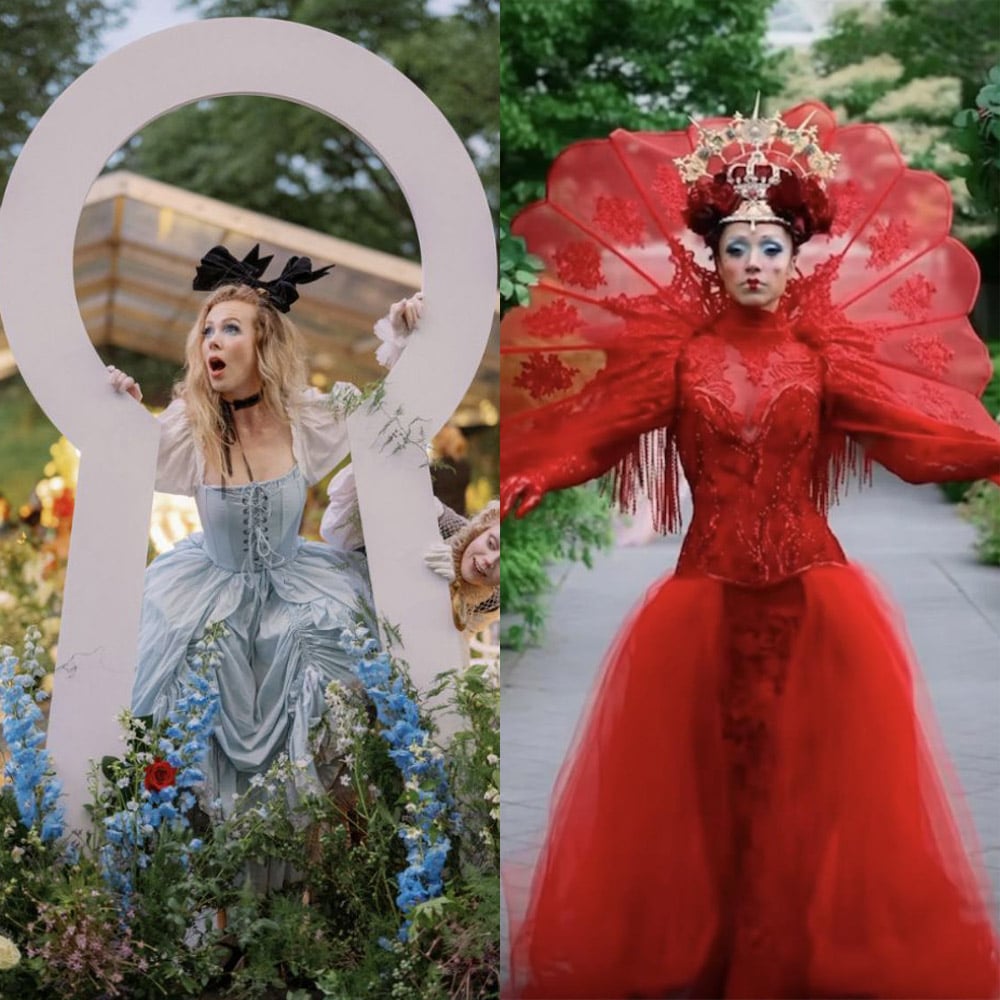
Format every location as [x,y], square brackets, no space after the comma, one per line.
[757,806]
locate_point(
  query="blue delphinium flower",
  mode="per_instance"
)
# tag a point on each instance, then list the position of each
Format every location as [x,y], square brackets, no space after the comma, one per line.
[427,800]
[36,788]
[130,833]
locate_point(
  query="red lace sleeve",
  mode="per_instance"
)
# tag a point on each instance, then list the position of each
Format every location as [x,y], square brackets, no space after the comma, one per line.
[889,313]
[613,410]
[587,372]
[922,427]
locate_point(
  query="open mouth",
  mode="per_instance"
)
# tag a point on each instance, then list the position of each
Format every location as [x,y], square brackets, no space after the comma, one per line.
[216,365]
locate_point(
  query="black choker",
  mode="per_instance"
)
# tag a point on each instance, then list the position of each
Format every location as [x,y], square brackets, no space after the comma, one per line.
[242,404]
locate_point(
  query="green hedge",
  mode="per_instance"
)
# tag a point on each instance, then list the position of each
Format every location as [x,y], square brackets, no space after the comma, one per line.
[957,491]
[568,524]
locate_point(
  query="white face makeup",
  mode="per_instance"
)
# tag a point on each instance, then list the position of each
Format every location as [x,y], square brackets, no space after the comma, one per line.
[755,263]
[228,349]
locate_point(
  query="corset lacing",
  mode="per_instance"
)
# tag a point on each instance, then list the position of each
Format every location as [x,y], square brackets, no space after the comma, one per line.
[259,553]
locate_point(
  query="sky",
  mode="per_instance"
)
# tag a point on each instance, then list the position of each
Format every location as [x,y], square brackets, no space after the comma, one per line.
[154,15]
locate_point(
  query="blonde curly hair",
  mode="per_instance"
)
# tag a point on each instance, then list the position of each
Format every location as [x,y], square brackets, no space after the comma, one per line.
[473,606]
[280,364]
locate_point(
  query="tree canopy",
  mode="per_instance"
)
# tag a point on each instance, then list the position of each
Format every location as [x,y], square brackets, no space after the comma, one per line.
[289,161]
[931,38]
[44,46]
[582,68]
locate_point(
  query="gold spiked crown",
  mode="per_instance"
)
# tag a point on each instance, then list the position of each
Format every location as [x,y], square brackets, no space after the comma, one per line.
[755,152]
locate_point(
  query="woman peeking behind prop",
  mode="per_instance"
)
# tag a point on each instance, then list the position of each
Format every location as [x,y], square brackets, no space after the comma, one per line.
[469,556]
[753,807]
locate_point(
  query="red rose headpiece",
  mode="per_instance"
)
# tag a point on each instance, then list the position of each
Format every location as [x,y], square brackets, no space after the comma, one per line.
[771,173]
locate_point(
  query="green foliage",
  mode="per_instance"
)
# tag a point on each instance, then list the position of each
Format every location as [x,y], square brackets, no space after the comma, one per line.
[28,433]
[519,269]
[567,524]
[929,37]
[977,135]
[982,508]
[295,163]
[27,436]
[43,48]
[581,68]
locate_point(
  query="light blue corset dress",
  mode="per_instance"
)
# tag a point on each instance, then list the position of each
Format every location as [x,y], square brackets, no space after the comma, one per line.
[284,602]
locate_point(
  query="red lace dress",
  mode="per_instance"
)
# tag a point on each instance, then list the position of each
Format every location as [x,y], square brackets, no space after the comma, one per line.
[754,806]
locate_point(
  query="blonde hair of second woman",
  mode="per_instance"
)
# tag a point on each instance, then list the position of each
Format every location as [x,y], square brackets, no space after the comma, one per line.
[280,364]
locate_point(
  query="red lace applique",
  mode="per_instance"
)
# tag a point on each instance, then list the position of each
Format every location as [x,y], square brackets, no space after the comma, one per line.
[913,297]
[669,190]
[931,352]
[936,404]
[643,327]
[707,357]
[544,375]
[554,320]
[580,264]
[847,203]
[888,242]
[620,219]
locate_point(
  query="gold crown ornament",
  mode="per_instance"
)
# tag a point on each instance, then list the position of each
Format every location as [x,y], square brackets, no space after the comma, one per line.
[765,148]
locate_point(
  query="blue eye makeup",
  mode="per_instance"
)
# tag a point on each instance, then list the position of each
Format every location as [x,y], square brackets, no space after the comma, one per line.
[229,327]
[770,248]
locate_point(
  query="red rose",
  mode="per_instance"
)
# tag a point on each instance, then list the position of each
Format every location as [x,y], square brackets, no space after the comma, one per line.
[159,775]
[803,203]
[710,200]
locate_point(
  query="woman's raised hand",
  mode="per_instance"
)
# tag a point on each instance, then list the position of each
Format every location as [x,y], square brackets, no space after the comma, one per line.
[526,489]
[394,328]
[441,560]
[405,314]
[121,382]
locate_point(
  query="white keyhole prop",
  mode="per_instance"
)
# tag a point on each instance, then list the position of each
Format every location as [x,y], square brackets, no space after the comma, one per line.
[117,437]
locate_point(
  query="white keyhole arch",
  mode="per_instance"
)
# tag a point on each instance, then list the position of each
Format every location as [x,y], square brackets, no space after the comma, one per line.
[117,438]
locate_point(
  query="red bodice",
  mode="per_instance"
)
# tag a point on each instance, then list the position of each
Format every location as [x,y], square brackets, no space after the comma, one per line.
[748,434]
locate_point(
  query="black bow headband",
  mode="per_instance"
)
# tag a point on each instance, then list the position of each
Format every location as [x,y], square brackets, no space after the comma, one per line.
[219,267]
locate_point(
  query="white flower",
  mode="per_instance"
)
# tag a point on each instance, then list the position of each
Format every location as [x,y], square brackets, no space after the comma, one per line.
[9,954]
[492,759]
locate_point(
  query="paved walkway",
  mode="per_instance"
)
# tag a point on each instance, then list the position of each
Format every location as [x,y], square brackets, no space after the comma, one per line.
[908,536]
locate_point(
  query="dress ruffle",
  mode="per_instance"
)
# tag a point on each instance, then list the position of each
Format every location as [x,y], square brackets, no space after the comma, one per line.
[758,805]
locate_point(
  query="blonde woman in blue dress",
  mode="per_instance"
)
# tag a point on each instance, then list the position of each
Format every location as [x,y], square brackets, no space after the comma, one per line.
[246,437]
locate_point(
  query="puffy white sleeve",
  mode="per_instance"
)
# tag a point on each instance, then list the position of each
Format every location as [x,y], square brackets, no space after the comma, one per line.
[319,431]
[180,467]
[341,525]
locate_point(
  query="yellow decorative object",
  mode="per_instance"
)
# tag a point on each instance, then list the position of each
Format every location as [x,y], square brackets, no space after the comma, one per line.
[65,463]
[478,494]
